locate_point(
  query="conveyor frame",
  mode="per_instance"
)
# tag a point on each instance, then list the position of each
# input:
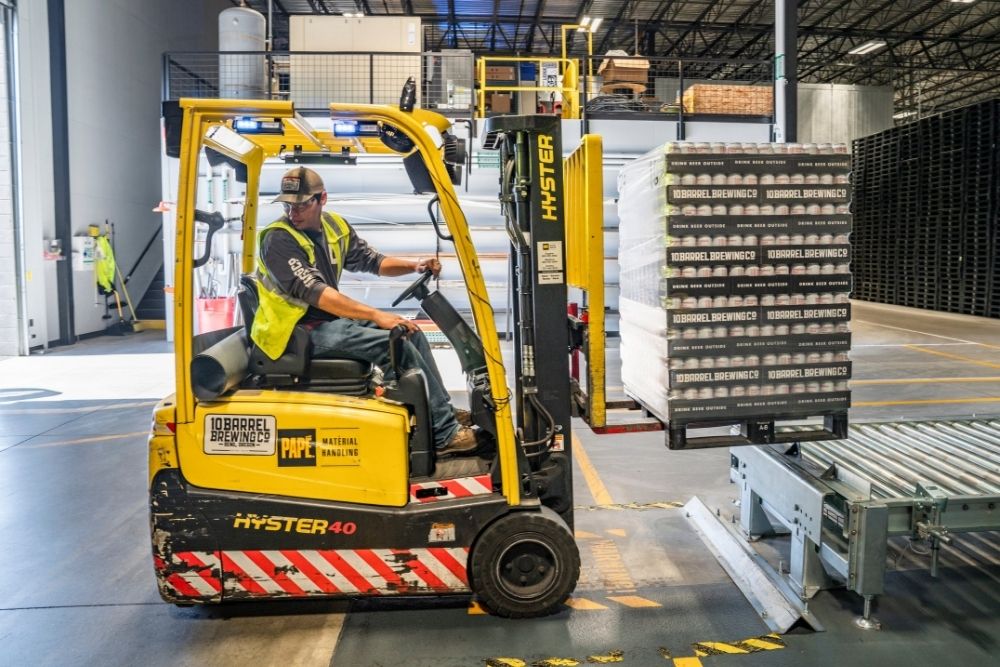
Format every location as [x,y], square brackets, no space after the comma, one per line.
[842,500]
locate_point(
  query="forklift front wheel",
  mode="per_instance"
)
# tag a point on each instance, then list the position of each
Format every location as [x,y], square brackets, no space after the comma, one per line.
[525,564]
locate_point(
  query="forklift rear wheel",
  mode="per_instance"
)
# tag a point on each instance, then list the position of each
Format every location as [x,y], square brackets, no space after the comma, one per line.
[525,565]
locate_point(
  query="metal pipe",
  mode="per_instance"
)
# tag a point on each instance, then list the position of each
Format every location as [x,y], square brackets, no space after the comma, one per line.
[983,432]
[876,455]
[937,458]
[270,26]
[892,485]
[879,487]
[952,459]
[907,467]
[976,443]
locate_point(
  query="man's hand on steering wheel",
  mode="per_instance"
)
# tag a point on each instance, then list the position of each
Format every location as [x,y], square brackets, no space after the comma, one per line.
[429,264]
[384,320]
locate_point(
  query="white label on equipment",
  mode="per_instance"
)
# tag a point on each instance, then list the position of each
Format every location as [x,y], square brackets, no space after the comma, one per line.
[240,435]
[553,278]
[550,256]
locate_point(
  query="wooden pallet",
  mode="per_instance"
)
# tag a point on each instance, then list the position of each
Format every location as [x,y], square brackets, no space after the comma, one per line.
[698,435]
[729,100]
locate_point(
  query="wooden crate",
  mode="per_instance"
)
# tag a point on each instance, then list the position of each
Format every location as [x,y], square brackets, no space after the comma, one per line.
[729,99]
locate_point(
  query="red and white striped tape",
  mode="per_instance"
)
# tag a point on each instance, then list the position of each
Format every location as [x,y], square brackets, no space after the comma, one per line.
[462,487]
[302,573]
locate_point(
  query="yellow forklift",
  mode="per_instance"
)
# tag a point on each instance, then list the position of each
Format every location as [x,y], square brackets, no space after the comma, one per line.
[301,477]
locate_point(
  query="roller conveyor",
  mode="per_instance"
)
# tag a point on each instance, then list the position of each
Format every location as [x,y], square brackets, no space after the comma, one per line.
[841,500]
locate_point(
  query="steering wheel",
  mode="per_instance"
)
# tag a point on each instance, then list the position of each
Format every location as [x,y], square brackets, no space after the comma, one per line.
[418,289]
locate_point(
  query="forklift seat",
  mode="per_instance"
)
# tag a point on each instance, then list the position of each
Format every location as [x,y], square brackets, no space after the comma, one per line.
[296,367]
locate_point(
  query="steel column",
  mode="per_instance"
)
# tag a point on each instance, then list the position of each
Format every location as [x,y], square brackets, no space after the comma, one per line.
[786,31]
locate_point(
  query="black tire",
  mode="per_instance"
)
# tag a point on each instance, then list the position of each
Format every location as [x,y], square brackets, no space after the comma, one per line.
[525,564]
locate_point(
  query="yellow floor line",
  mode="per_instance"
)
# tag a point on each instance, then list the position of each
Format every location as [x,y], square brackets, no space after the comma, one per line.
[476,609]
[949,355]
[83,441]
[687,662]
[861,383]
[617,532]
[594,483]
[633,601]
[924,333]
[585,535]
[583,604]
[927,401]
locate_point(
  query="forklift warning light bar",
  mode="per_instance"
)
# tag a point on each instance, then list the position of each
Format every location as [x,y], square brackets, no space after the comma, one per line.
[257,126]
[353,128]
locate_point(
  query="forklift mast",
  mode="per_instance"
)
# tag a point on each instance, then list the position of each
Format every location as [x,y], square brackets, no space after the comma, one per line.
[531,195]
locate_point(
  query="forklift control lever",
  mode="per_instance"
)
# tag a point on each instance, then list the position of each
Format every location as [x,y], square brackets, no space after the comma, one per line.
[396,338]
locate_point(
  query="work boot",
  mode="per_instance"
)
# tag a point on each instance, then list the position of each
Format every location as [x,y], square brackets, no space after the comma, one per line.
[463,443]
[463,417]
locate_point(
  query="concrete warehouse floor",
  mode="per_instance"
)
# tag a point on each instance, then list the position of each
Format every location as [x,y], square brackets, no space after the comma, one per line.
[77,587]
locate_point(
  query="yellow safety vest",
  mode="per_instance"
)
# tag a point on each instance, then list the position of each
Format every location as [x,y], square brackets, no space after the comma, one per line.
[104,265]
[278,312]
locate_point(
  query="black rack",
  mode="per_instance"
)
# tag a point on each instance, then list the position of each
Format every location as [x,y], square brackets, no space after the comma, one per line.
[925,213]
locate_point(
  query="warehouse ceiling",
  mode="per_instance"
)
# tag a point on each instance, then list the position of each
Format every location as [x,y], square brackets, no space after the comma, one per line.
[938,54]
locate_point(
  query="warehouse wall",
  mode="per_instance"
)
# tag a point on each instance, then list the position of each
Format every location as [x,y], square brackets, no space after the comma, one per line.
[836,113]
[10,322]
[37,216]
[113,53]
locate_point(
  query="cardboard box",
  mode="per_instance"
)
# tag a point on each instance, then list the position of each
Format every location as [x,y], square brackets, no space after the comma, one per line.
[619,68]
[500,102]
[501,73]
[729,100]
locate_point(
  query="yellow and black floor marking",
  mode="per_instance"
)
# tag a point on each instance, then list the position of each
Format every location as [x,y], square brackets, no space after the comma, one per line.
[604,659]
[618,507]
[587,604]
[770,642]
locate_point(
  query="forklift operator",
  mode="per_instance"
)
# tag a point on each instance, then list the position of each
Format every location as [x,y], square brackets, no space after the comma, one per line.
[301,256]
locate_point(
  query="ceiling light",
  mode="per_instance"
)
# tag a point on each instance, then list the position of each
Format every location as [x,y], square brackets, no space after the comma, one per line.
[903,114]
[962,2]
[867,47]
[585,22]
[595,24]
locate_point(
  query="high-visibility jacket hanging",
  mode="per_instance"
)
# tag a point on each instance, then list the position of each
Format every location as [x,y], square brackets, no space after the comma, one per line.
[104,265]
[278,312]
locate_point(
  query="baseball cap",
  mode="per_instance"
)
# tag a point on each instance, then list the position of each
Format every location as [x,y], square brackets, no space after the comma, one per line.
[298,185]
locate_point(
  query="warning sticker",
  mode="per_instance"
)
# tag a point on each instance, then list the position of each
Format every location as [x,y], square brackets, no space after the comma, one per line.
[553,278]
[550,256]
[338,447]
[441,532]
[243,435]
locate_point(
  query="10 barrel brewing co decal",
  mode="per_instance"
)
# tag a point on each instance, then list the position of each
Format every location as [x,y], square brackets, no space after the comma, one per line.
[241,435]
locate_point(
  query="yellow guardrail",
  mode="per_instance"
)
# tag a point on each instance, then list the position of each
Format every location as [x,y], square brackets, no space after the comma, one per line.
[584,181]
[569,90]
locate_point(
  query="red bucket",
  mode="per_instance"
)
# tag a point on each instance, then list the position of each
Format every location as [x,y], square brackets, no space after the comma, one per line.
[215,314]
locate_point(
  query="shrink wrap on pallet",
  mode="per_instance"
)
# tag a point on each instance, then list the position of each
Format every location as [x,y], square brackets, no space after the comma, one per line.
[735,275]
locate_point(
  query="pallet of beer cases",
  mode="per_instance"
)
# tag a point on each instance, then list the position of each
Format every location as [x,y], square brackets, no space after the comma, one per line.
[735,275]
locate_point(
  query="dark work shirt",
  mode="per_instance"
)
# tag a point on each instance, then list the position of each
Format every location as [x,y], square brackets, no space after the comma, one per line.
[289,266]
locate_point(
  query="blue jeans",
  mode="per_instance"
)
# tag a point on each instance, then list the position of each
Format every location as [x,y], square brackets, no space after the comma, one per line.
[354,339]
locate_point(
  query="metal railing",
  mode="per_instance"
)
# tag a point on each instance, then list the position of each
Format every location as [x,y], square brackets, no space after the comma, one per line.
[457,84]
[551,83]
[312,80]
